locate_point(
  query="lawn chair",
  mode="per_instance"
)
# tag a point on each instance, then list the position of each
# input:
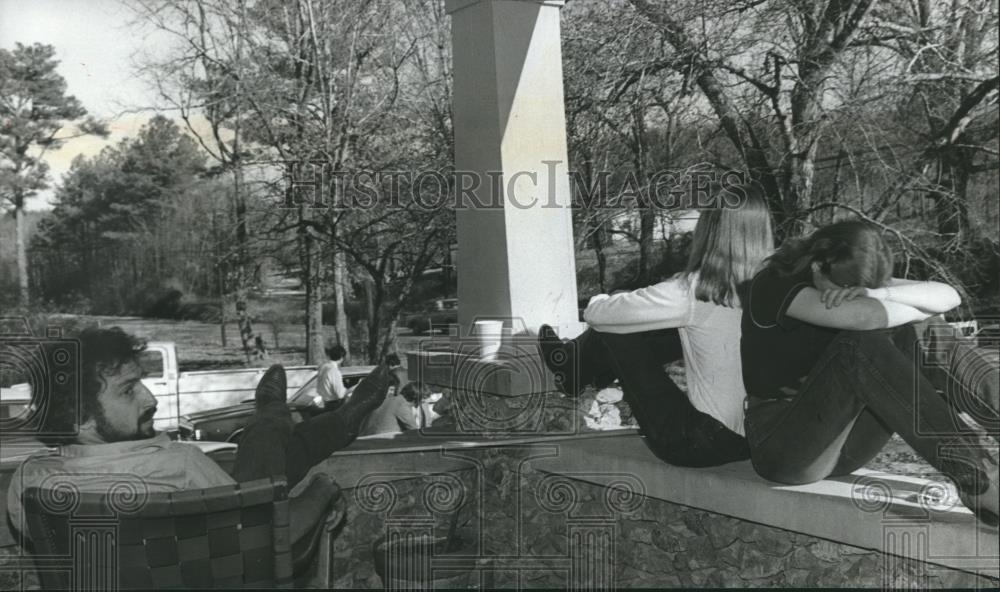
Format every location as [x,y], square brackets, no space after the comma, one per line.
[224,537]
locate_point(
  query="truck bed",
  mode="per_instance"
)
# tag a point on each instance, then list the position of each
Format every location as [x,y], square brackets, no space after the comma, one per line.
[210,389]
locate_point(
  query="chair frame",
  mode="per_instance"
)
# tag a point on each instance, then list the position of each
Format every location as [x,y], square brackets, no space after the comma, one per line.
[228,537]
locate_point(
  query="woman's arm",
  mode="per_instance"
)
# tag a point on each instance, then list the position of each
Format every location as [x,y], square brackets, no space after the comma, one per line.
[861,313]
[930,297]
[664,305]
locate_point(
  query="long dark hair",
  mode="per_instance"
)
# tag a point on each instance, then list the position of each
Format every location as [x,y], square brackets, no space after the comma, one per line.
[730,243]
[849,252]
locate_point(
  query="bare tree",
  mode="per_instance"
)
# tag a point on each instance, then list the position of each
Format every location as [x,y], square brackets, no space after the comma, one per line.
[203,80]
[625,103]
[788,69]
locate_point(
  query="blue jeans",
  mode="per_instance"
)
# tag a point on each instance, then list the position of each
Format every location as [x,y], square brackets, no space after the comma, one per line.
[965,372]
[674,430]
[866,386]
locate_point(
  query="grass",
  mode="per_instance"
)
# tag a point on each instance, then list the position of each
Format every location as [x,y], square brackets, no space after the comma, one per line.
[199,344]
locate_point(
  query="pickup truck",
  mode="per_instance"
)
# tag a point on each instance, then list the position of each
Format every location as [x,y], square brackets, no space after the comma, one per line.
[182,393]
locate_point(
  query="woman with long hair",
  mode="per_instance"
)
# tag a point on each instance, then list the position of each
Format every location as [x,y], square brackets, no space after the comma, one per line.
[832,367]
[695,315]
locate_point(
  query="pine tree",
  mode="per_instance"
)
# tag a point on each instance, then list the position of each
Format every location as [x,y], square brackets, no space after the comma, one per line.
[34,109]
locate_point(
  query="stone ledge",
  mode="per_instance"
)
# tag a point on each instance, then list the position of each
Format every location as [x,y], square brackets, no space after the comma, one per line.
[845,510]
[401,456]
[852,510]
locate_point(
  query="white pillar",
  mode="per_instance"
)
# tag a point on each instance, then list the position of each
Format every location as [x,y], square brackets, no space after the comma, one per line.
[515,255]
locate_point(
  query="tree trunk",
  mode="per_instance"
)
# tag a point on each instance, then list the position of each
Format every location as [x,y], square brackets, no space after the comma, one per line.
[647,223]
[343,326]
[838,170]
[314,295]
[250,348]
[22,252]
[222,312]
[220,278]
[448,273]
[598,244]
[647,213]
[951,205]
[317,341]
[389,340]
[373,321]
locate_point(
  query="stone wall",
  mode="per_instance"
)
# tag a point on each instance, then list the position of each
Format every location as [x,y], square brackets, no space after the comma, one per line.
[13,578]
[502,524]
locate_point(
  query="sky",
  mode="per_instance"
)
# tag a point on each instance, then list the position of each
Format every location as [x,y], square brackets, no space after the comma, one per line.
[95,42]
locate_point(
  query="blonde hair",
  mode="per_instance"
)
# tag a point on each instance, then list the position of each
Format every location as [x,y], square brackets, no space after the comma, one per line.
[730,243]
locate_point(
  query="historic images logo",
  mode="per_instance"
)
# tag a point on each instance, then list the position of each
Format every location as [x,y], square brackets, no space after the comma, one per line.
[316,185]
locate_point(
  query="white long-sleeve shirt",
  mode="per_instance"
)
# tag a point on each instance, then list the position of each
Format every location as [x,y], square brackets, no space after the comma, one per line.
[330,382]
[710,336]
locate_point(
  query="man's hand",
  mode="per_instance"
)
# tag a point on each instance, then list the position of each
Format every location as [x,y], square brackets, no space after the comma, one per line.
[834,297]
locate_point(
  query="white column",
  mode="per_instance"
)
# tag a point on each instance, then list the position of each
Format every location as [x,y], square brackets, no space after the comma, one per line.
[515,231]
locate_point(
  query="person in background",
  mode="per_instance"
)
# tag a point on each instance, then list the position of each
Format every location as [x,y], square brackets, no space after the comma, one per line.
[399,412]
[329,381]
[260,351]
[434,406]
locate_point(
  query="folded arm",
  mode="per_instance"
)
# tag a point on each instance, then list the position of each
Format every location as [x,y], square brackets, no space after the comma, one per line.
[930,297]
[861,313]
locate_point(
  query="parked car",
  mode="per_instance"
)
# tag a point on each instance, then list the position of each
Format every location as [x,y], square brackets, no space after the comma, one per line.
[226,424]
[440,313]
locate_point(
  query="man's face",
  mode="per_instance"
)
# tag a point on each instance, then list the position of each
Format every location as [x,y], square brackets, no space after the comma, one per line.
[126,407]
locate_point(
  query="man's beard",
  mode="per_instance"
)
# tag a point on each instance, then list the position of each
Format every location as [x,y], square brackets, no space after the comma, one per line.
[110,434]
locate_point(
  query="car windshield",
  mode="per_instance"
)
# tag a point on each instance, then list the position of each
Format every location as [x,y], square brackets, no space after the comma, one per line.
[306,395]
